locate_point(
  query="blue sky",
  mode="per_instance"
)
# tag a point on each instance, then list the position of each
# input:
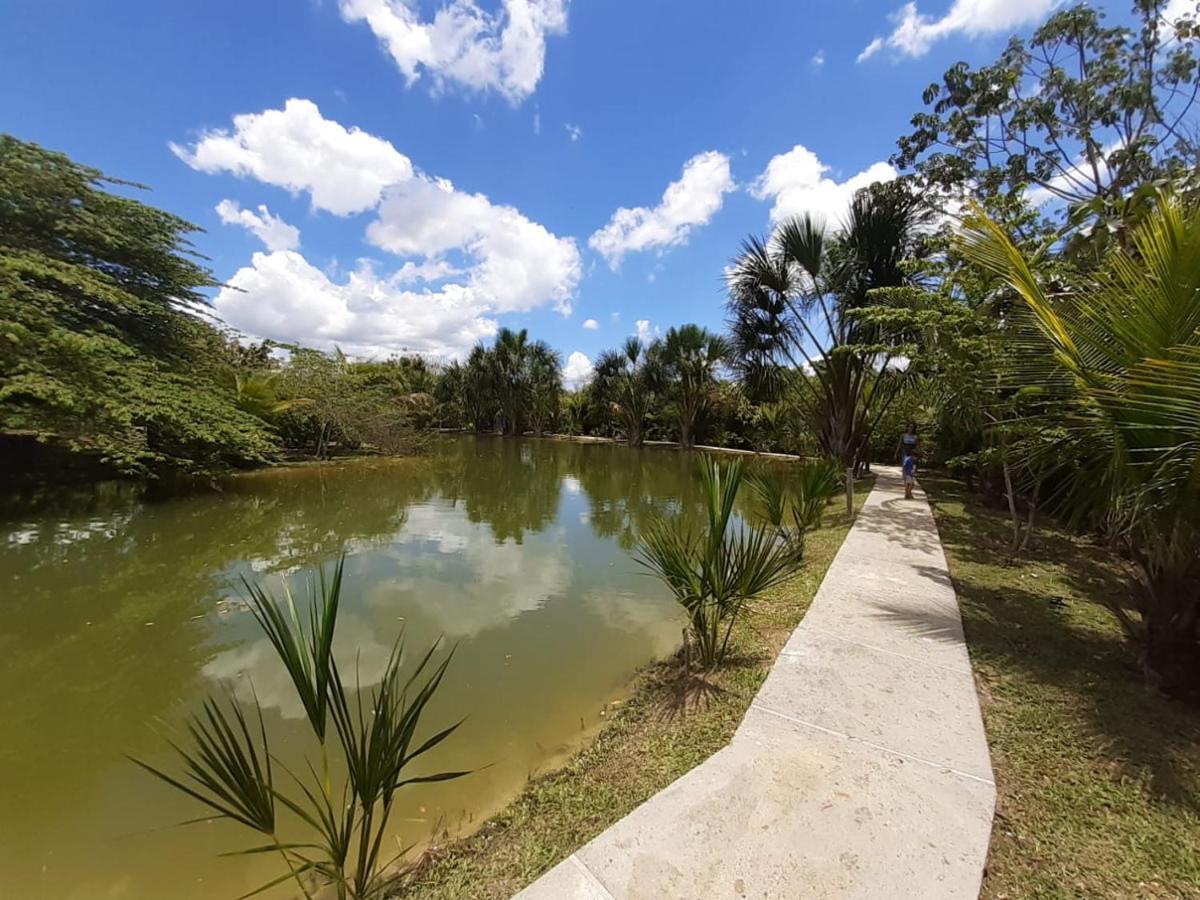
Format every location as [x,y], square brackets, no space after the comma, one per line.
[431,170]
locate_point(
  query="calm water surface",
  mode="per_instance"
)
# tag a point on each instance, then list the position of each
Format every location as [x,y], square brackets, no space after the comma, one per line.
[117,615]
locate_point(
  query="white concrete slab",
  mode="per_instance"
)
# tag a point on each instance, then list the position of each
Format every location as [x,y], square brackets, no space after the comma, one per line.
[569,880]
[860,770]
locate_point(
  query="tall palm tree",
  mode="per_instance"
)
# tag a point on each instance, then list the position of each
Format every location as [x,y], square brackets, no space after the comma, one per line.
[510,357]
[688,358]
[544,386]
[1123,351]
[480,390]
[625,379]
[793,299]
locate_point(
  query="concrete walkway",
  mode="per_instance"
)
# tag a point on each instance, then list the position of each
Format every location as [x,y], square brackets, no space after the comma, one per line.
[860,770]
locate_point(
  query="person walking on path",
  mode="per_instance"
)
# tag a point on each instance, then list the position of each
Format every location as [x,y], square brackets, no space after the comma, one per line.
[908,458]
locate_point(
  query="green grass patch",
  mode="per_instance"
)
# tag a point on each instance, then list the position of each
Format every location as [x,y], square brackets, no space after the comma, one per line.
[1098,777]
[649,742]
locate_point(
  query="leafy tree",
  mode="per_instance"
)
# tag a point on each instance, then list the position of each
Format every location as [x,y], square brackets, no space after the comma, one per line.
[1123,351]
[625,380]
[794,303]
[509,359]
[102,348]
[574,411]
[1081,113]
[686,363]
[450,394]
[334,399]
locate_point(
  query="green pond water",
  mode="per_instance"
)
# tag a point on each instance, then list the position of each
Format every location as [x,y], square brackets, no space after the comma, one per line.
[117,615]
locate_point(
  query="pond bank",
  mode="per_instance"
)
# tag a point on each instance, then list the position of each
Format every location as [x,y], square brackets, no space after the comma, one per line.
[649,742]
[863,755]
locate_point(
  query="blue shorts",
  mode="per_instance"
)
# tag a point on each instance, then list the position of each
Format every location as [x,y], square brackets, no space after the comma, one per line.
[910,468]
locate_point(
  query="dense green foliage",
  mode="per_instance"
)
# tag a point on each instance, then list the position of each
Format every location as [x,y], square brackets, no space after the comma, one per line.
[106,351]
[101,349]
[513,386]
[1120,352]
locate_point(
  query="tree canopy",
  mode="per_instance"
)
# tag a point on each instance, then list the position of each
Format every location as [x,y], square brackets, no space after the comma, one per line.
[102,344]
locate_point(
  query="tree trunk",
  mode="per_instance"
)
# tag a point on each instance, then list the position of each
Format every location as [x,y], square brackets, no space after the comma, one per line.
[850,490]
[1033,505]
[685,434]
[321,442]
[1012,506]
[1172,660]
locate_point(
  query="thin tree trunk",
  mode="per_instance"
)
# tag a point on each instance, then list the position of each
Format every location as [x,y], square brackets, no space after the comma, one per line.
[1012,505]
[1033,505]
[850,490]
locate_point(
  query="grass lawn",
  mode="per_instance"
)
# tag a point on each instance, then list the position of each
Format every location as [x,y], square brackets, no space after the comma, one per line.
[646,746]
[1098,778]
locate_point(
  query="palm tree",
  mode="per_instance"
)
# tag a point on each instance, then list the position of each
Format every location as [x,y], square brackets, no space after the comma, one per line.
[625,380]
[510,357]
[713,571]
[228,767]
[480,389]
[450,393]
[793,302]
[1123,351]
[687,360]
[544,386]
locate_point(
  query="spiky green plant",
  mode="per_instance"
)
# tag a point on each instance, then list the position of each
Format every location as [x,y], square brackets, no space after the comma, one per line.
[232,773]
[715,569]
[793,504]
[1121,351]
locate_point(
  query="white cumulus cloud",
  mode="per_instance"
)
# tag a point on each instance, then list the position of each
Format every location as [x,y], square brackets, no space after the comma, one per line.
[517,263]
[462,259]
[644,330]
[574,132]
[590,325]
[913,32]
[504,51]
[275,233]
[296,148]
[798,182]
[687,203]
[283,296]
[578,370]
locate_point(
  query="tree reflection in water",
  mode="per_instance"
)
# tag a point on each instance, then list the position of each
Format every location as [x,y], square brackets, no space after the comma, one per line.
[119,610]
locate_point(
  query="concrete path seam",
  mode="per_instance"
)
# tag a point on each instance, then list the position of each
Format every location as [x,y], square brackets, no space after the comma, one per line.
[874,649]
[941,767]
[589,877]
